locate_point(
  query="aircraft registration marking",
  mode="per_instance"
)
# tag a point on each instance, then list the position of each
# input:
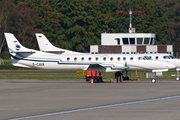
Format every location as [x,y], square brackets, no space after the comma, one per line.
[37,64]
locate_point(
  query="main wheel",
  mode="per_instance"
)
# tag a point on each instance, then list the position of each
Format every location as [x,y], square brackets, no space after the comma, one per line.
[153,80]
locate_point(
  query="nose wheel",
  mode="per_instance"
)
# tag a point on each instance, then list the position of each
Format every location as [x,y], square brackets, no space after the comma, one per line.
[153,80]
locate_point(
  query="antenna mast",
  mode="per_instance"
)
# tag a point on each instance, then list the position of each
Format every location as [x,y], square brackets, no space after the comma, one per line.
[131,30]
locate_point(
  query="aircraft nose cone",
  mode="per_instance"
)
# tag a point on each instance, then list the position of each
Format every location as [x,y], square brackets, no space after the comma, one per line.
[170,66]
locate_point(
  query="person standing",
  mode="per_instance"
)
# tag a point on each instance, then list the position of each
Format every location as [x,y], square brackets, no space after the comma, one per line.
[118,75]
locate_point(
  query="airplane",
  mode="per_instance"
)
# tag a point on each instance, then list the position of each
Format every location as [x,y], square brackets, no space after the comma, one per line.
[167,58]
[46,46]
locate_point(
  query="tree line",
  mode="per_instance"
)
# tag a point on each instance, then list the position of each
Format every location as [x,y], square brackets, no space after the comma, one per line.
[77,24]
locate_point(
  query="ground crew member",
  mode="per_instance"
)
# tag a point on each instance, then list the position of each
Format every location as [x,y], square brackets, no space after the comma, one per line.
[118,74]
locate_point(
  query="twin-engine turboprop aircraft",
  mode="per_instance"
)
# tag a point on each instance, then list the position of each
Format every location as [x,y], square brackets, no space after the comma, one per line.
[68,60]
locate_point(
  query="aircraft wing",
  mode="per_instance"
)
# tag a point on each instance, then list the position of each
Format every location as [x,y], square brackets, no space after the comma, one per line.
[96,67]
[103,67]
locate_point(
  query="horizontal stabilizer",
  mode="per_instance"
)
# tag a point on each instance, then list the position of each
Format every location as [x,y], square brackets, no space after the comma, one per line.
[23,52]
[54,51]
[20,65]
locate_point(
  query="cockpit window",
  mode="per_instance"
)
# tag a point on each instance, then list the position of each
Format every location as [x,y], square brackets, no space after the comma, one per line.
[166,57]
[147,57]
[172,57]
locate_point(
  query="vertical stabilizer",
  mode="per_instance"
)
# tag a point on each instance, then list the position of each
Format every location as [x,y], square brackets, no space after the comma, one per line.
[14,45]
[46,46]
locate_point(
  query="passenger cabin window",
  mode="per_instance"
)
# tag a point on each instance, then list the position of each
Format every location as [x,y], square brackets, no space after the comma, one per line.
[125,41]
[146,40]
[75,58]
[104,58]
[89,58]
[68,59]
[131,58]
[111,58]
[156,57]
[139,40]
[97,58]
[118,58]
[132,40]
[124,58]
[82,58]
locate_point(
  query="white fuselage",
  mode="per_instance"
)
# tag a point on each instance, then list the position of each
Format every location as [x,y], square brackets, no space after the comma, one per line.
[112,62]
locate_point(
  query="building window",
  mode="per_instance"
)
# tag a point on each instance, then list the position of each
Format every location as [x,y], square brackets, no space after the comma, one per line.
[125,41]
[139,40]
[151,42]
[118,41]
[132,40]
[146,40]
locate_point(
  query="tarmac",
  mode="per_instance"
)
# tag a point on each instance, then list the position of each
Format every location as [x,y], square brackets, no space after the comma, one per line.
[33,99]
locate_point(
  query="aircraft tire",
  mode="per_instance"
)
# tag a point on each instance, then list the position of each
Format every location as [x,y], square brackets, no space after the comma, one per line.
[153,80]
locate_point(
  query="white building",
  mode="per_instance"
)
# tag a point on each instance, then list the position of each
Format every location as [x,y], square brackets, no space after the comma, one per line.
[129,43]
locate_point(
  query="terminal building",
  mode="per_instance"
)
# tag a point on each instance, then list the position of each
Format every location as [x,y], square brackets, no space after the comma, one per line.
[129,43]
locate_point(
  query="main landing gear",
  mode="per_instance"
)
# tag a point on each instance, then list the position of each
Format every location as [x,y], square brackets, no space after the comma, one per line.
[126,77]
[153,80]
[177,78]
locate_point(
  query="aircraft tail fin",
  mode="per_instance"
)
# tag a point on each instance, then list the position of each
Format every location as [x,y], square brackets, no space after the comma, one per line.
[14,45]
[46,46]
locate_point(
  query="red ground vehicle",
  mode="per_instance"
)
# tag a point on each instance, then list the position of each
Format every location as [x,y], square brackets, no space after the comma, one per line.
[95,75]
